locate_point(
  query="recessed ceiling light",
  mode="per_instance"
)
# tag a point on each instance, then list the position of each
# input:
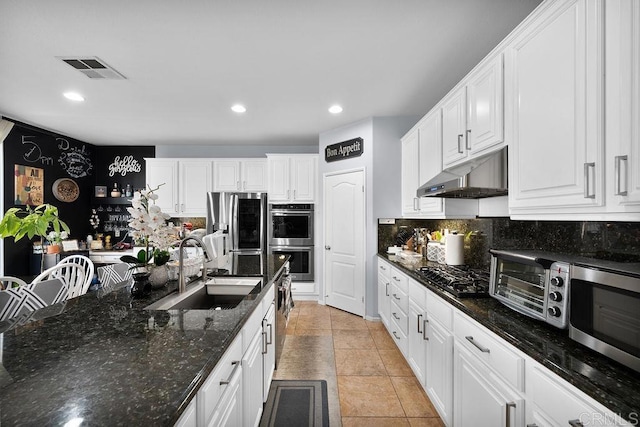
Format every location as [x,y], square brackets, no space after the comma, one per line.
[335,109]
[74,96]
[238,108]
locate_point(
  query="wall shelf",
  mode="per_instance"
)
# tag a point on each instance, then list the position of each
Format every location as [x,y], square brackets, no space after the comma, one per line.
[111,200]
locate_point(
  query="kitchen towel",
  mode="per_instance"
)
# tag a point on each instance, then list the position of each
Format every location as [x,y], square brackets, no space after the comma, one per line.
[454,249]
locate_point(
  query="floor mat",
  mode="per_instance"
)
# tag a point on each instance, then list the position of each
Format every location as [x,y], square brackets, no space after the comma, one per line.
[296,403]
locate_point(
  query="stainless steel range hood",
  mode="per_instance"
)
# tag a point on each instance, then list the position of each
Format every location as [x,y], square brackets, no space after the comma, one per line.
[482,177]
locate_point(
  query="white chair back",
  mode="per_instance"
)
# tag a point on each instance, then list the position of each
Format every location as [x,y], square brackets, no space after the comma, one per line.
[112,274]
[71,274]
[24,300]
[7,282]
[89,269]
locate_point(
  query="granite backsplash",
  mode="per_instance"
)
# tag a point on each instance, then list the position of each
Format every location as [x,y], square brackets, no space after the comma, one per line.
[612,240]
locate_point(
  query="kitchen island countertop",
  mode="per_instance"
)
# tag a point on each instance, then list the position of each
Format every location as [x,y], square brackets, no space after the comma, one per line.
[606,381]
[106,360]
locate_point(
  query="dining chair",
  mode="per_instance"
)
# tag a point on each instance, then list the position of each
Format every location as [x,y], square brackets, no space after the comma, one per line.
[7,282]
[89,269]
[71,274]
[24,300]
[112,274]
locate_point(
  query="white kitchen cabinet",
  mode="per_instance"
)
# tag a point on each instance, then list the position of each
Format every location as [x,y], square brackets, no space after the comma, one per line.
[473,114]
[554,115]
[421,161]
[622,105]
[244,175]
[384,270]
[164,173]
[479,398]
[399,309]
[183,185]
[268,349]
[439,368]
[292,178]
[252,398]
[229,413]
[417,337]
[189,416]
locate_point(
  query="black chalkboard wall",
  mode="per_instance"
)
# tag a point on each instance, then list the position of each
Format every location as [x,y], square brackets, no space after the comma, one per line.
[62,157]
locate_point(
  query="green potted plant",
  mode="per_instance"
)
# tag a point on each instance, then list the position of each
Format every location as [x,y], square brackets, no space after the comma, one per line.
[31,222]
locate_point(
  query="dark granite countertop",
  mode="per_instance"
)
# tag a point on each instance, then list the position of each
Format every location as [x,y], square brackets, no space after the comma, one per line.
[103,358]
[606,381]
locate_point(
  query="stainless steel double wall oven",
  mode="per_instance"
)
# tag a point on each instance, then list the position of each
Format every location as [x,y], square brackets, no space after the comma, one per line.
[290,232]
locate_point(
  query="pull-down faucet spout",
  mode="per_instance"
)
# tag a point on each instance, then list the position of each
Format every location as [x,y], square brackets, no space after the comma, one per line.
[182,284]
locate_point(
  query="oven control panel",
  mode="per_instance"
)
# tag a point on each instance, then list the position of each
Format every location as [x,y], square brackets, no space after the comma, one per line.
[557,295]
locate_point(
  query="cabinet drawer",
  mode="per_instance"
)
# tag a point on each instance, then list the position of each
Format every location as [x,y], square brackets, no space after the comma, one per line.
[384,268]
[268,299]
[400,280]
[440,310]
[418,294]
[397,333]
[490,349]
[400,298]
[212,389]
[303,287]
[400,318]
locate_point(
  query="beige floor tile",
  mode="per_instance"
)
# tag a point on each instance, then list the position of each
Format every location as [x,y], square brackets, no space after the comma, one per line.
[374,422]
[313,332]
[313,322]
[353,338]
[348,322]
[425,422]
[375,326]
[368,397]
[297,343]
[412,397]
[383,340]
[358,362]
[395,363]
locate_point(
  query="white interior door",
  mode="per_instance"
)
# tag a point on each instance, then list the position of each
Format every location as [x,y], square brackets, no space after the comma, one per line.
[344,221]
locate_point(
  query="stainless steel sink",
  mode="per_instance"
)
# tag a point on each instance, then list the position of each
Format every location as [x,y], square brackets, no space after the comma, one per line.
[216,293]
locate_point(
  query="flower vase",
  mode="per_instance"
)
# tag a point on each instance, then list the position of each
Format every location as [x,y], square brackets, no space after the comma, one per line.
[159,276]
[141,285]
[53,249]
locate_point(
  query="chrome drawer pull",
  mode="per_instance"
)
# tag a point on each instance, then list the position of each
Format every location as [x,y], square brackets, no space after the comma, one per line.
[236,364]
[264,343]
[587,181]
[575,423]
[476,345]
[386,289]
[395,335]
[459,144]
[394,315]
[424,329]
[270,340]
[419,316]
[396,297]
[618,191]
[509,406]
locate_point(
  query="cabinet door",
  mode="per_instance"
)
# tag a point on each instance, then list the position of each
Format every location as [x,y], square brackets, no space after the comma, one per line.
[229,413]
[383,299]
[164,173]
[188,417]
[623,104]
[479,399]
[303,179]
[485,120]
[430,158]
[268,350]
[251,378]
[439,369]
[226,175]
[195,182]
[554,69]
[410,173]
[417,342]
[454,127]
[279,178]
[254,175]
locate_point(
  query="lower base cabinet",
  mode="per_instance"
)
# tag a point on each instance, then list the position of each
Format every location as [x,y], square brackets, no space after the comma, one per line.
[439,370]
[252,375]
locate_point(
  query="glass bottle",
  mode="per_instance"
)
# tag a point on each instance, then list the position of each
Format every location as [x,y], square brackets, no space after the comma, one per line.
[115,192]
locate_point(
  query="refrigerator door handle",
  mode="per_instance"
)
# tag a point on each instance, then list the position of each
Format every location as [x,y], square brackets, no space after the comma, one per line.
[234,226]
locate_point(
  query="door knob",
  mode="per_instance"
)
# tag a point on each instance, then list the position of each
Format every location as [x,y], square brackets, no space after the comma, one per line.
[327,247]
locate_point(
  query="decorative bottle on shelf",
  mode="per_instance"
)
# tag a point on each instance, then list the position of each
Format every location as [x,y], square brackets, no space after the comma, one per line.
[115,192]
[128,191]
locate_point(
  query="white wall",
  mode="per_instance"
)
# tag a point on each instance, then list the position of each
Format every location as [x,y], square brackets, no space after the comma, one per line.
[229,151]
[381,162]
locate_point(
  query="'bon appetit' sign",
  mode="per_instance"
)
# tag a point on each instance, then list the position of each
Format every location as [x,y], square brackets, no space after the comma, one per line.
[343,150]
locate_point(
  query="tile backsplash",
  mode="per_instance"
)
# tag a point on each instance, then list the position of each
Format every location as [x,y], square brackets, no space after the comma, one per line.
[602,239]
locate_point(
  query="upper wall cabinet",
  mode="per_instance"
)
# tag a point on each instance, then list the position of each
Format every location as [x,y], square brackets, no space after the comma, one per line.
[472,115]
[244,175]
[183,185]
[622,105]
[292,178]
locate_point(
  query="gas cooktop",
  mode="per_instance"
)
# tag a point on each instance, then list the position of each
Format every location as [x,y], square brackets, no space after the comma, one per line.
[460,281]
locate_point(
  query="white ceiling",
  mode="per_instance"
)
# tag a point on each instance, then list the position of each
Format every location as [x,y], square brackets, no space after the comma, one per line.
[187,62]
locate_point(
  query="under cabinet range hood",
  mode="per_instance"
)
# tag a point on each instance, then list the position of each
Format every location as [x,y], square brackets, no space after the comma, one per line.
[483,177]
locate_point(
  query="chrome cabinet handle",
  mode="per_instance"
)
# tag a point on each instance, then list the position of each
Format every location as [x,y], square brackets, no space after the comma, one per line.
[270,340]
[396,335]
[466,145]
[264,343]
[236,364]
[419,331]
[476,345]
[395,315]
[459,143]
[424,329]
[294,194]
[509,406]
[176,209]
[618,191]
[396,297]
[587,181]
[575,423]
[415,203]
[182,207]
[532,425]
[396,279]
[287,194]
[382,267]
[386,289]
[327,247]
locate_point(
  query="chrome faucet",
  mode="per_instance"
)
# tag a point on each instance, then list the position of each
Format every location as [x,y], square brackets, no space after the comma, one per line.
[182,284]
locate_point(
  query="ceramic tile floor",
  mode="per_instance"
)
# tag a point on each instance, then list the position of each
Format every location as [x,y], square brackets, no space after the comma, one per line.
[369,382]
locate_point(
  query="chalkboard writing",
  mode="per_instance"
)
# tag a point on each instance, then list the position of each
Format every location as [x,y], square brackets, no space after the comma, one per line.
[76,161]
[123,166]
[34,152]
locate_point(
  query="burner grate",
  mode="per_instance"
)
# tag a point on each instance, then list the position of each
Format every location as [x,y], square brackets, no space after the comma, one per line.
[460,281]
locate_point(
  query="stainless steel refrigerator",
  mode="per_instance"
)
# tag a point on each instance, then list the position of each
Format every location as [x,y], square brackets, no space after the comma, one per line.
[243,216]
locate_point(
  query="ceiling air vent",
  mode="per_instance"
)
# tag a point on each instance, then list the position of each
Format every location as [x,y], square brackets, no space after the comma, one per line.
[93,67]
